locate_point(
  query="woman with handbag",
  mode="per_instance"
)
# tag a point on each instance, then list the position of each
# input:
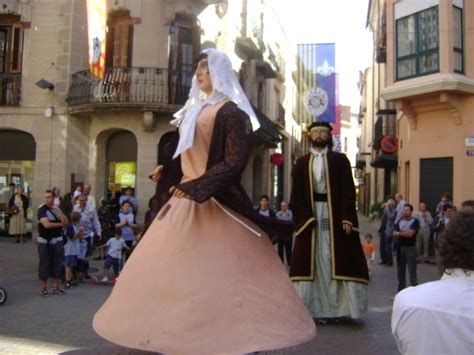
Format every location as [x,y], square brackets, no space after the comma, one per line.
[17,212]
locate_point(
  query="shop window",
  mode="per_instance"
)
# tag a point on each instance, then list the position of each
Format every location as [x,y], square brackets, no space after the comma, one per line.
[17,169]
[417,44]
[121,162]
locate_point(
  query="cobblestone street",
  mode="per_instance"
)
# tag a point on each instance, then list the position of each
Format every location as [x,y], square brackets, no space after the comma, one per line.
[30,324]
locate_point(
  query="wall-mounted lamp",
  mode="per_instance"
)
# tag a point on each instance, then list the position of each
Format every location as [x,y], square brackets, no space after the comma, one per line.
[45,84]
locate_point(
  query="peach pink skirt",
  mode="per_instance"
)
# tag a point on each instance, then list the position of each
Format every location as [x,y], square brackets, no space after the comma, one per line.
[200,282]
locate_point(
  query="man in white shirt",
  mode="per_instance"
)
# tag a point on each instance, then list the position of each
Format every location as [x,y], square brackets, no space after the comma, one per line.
[438,317]
[90,198]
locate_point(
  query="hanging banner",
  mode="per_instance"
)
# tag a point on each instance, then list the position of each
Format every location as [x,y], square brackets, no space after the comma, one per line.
[96,18]
[326,79]
[319,62]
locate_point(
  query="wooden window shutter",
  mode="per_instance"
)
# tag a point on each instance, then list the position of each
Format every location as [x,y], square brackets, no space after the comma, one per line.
[109,47]
[16,53]
[119,47]
[130,46]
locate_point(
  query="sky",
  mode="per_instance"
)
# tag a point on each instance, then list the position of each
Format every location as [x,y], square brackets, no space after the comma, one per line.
[342,22]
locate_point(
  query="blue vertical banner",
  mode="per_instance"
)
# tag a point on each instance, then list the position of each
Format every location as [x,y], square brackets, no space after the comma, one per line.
[326,80]
[317,79]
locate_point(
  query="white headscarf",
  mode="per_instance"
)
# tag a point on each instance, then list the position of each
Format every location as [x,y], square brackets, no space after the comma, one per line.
[225,87]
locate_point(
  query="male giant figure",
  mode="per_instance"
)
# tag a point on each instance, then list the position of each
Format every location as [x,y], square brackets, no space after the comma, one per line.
[328,266]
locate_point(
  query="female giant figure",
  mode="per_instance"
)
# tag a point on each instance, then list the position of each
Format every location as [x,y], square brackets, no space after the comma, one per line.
[205,278]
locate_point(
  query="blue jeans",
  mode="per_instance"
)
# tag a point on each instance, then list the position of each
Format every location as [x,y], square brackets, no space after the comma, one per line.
[406,256]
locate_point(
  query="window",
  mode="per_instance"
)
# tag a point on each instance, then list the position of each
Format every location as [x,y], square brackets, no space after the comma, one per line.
[458,40]
[11,43]
[184,46]
[119,41]
[417,44]
[11,54]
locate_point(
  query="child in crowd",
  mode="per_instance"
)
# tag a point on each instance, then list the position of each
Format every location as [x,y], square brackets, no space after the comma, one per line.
[71,248]
[115,247]
[125,222]
[81,267]
[107,223]
[77,193]
[369,249]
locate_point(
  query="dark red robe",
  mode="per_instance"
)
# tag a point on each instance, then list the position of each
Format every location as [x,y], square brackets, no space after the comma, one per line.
[348,260]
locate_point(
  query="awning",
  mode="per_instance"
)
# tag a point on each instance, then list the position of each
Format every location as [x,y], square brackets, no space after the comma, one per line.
[385,161]
[268,131]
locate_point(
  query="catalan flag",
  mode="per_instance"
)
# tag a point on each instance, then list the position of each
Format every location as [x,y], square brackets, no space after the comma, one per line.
[96,18]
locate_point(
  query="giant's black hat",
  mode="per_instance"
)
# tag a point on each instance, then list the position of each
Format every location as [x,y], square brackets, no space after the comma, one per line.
[320,124]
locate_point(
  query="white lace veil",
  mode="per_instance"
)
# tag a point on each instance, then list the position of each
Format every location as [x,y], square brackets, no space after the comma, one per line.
[225,87]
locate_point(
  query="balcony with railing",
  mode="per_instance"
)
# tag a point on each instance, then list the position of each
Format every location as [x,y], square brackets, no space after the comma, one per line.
[10,89]
[143,88]
[384,125]
[385,141]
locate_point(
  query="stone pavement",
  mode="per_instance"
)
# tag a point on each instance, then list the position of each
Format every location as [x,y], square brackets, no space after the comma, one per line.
[30,324]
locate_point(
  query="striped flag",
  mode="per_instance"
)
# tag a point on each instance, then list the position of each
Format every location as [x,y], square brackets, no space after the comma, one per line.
[96,18]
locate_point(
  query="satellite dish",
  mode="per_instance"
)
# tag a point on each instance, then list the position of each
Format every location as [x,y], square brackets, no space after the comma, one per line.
[48,112]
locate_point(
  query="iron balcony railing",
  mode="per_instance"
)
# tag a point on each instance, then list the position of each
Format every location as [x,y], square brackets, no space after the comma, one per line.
[386,123]
[130,85]
[10,89]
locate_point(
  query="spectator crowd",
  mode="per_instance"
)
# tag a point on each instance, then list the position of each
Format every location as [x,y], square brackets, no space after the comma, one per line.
[72,230]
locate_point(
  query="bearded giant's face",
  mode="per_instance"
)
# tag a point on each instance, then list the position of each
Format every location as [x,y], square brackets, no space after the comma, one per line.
[320,137]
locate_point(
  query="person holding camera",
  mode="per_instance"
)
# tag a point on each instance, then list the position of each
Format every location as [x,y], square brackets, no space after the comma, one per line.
[51,222]
[17,208]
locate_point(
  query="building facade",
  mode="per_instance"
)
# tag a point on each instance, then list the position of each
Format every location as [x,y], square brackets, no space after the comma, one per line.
[430,81]
[263,57]
[377,159]
[64,127]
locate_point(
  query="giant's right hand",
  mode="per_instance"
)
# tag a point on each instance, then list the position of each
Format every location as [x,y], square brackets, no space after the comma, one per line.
[156,174]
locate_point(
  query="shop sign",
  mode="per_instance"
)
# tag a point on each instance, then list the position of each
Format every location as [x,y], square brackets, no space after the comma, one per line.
[277,159]
[389,144]
[469,141]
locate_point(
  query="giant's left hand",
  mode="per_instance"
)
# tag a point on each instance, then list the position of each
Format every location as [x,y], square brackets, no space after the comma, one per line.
[178,193]
[347,228]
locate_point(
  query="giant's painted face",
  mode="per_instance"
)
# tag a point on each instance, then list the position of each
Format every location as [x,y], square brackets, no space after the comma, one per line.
[320,137]
[203,77]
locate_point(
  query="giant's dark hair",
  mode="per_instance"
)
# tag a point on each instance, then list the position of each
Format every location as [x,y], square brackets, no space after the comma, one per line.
[456,244]
[200,57]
